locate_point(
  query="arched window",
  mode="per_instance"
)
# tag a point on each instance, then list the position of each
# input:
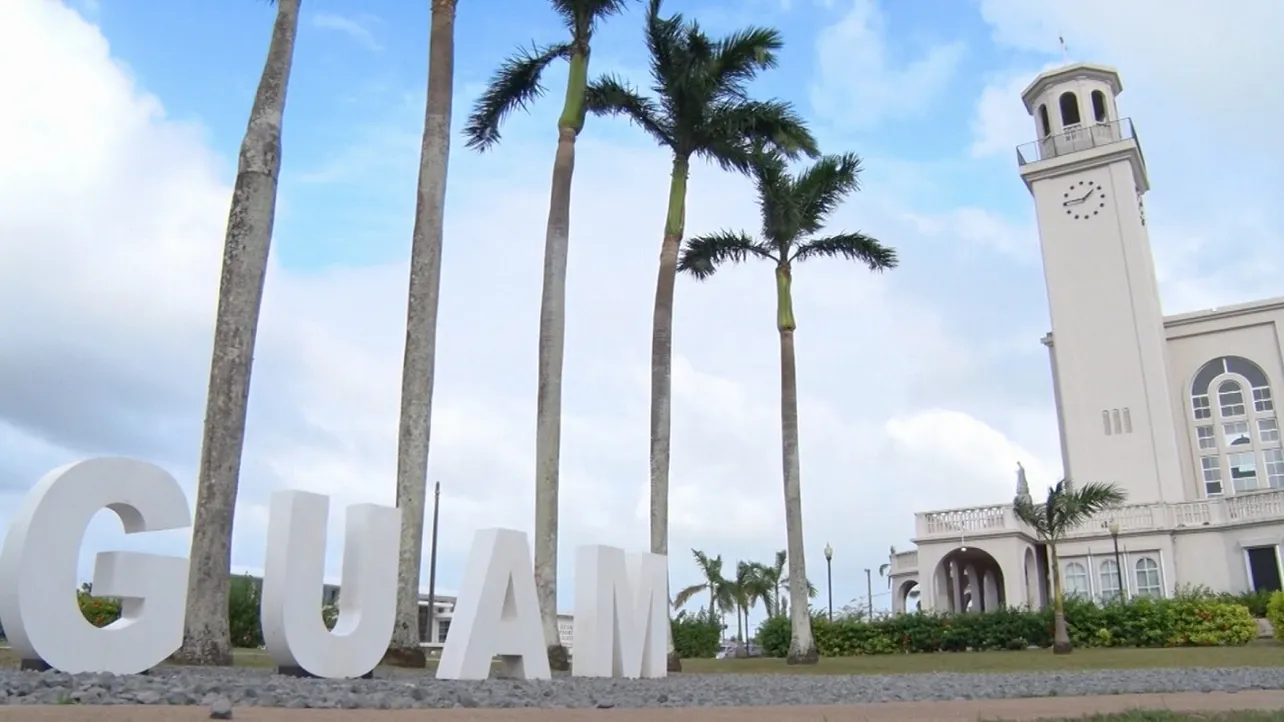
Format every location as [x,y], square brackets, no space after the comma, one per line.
[1148,584]
[1109,581]
[1076,580]
[1099,106]
[1237,435]
[1069,103]
[1045,127]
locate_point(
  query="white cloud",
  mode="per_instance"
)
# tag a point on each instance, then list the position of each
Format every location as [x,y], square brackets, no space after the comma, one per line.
[111,222]
[357,28]
[860,81]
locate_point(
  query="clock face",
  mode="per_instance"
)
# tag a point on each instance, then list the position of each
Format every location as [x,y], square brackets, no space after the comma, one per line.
[1084,199]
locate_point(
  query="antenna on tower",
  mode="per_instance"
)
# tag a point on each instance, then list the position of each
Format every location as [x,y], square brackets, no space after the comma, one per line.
[1065,52]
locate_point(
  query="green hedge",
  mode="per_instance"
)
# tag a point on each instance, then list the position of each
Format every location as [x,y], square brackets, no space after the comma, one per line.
[1201,622]
[696,635]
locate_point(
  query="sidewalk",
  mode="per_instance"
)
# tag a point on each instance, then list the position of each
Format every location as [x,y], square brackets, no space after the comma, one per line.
[960,711]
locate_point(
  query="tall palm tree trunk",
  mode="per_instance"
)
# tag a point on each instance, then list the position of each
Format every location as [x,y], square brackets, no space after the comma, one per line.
[419,363]
[552,341]
[802,648]
[1060,633]
[662,369]
[206,636]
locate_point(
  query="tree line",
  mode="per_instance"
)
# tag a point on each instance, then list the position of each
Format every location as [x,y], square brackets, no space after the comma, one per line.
[697,106]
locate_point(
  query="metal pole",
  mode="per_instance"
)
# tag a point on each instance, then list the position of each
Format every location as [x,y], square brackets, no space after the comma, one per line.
[1119,570]
[829,583]
[869,591]
[432,563]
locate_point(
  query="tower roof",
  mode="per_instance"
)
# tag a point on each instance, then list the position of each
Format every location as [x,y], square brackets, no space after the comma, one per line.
[1036,87]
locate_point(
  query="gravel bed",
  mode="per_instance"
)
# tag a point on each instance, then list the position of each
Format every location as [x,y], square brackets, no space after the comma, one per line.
[262,688]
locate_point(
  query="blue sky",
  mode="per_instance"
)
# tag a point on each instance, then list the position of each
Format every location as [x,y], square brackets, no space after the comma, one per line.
[920,388]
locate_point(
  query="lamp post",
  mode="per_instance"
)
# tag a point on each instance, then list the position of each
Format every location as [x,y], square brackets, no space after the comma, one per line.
[1114,537]
[869,594]
[829,577]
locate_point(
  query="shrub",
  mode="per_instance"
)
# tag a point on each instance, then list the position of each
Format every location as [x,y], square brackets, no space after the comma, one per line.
[100,611]
[1184,621]
[243,613]
[1275,614]
[696,635]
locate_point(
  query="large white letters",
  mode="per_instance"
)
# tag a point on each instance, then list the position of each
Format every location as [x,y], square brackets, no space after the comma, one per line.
[293,575]
[38,605]
[497,613]
[621,614]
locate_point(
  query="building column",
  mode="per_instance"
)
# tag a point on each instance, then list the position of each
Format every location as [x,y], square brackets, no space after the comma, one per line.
[956,587]
[991,585]
[974,587]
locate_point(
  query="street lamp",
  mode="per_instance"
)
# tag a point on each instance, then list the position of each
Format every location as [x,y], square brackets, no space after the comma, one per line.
[829,577]
[1114,537]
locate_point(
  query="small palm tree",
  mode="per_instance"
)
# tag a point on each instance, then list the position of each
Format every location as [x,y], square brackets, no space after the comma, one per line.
[714,584]
[749,587]
[513,87]
[774,576]
[1066,507]
[207,638]
[701,108]
[794,210]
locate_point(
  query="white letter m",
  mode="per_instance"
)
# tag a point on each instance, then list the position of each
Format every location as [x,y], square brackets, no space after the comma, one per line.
[621,614]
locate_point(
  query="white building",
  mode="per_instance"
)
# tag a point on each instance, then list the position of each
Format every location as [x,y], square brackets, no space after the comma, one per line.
[435,638]
[1179,411]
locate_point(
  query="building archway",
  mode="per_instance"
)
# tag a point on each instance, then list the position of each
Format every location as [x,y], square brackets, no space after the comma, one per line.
[907,594]
[969,579]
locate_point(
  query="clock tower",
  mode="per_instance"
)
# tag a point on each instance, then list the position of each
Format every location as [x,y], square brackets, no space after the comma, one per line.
[1087,176]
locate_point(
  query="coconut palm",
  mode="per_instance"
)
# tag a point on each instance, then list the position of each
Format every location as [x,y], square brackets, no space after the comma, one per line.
[794,210]
[715,584]
[206,636]
[418,364]
[701,108]
[1066,507]
[513,87]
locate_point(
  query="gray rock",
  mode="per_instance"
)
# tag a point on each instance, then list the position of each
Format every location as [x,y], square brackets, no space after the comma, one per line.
[221,708]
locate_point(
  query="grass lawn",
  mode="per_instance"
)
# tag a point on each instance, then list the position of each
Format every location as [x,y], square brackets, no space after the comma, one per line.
[1163,716]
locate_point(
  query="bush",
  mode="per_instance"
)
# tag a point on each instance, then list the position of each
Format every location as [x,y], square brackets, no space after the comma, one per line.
[696,635]
[1275,614]
[1143,622]
[100,611]
[243,616]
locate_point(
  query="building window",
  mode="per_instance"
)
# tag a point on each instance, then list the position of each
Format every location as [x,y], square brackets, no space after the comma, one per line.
[1109,581]
[1099,106]
[1244,415]
[1045,127]
[1206,438]
[1199,404]
[1127,421]
[1076,581]
[1268,429]
[1230,399]
[1069,103]
[1211,466]
[1243,471]
[443,630]
[1148,578]
[1114,415]
[1274,467]
[1262,401]
[1235,433]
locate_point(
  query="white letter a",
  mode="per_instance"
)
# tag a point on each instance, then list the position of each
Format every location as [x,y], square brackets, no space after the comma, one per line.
[497,612]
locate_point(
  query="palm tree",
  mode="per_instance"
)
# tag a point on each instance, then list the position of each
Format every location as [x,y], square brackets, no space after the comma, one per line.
[418,364]
[714,583]
[748,588]
[1066,507]
[701,108]
[794,210]
[774,575]
[513,87]
[206,635]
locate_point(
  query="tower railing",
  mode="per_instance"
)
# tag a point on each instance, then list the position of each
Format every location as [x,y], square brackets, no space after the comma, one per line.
[1075,138]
